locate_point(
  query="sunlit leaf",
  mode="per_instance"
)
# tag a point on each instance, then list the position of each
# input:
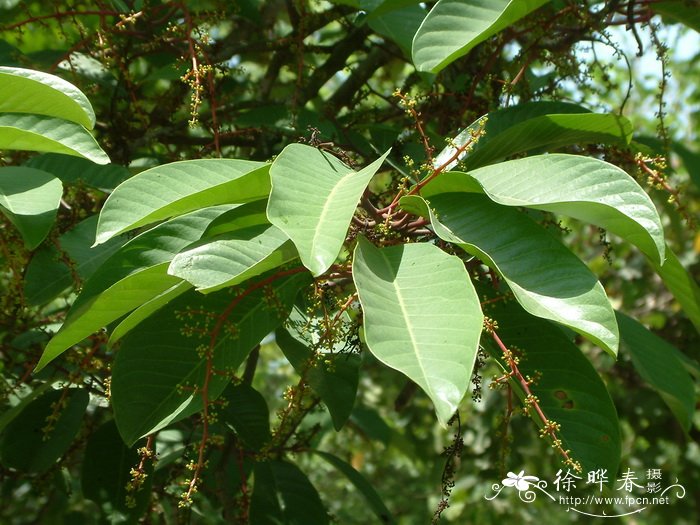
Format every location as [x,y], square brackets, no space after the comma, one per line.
[421,317]
[313,198]
[454,27]
[30,199]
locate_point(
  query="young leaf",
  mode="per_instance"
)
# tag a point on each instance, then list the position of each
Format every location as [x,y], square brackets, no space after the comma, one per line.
[334,377]
[373,499]
[454,27]
[178,188]
[39,133]
[30,199]
[421,317]
[175,341]
[581,187]
[545,277]
[313,198]
[231,258]
[541,124]
[129,278]
[30,444]
[29,91]
[283,495]
[569,389]
[658,364]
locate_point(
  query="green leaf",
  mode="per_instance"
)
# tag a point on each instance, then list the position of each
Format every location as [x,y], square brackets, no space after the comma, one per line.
[314,196]
[128,279]
[373,499]
[454,27]
[232,258]
[30,199]
[658,364]
[48,273]
[247,414]
[107,468]
[174,189]
[545,277]
[581,187]
[174,342]
[29,91]
[681,284]
[399,25]
[39,133]
[283,495]
[541,124]
[334,377]
[71,169]
[30,443]
[569,389]
[421,317]
[683,11]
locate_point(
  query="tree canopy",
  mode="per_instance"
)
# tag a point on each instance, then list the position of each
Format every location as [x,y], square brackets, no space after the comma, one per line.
[353,261]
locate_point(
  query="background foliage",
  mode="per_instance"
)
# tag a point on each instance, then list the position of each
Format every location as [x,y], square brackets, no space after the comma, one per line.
[124,209]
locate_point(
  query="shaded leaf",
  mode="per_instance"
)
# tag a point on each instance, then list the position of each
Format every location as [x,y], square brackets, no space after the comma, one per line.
[30,199]
[132,276]
[247,413]
[541,124]
[334,377]
[454,27]
[69,169]
[313,198]
[373,499]
[31,443]
[48,273]
[106,472]
[39,133]
[28,91]
[581,187]
[231,258]
[685,12]
[569,389]
[178,188]
[658,363]
[681,284]
[421,317]
[283,495]
[545,277]
[398,24]
[175,341]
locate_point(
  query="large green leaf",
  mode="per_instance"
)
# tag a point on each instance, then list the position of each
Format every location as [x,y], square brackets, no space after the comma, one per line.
[541,124]
[373,499]
[171,343]
[399,25]
[421,317]
[231,258]
[28,443]
[334,377]
[313,198]
[569,389]
[177,188]
[29,91]
[581,187]
[30,199]
[50,272]
[40,133]
[545,277]
[283,495]
[658,364]
[683,11]
[454,27]
[132,276]
[681,284]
